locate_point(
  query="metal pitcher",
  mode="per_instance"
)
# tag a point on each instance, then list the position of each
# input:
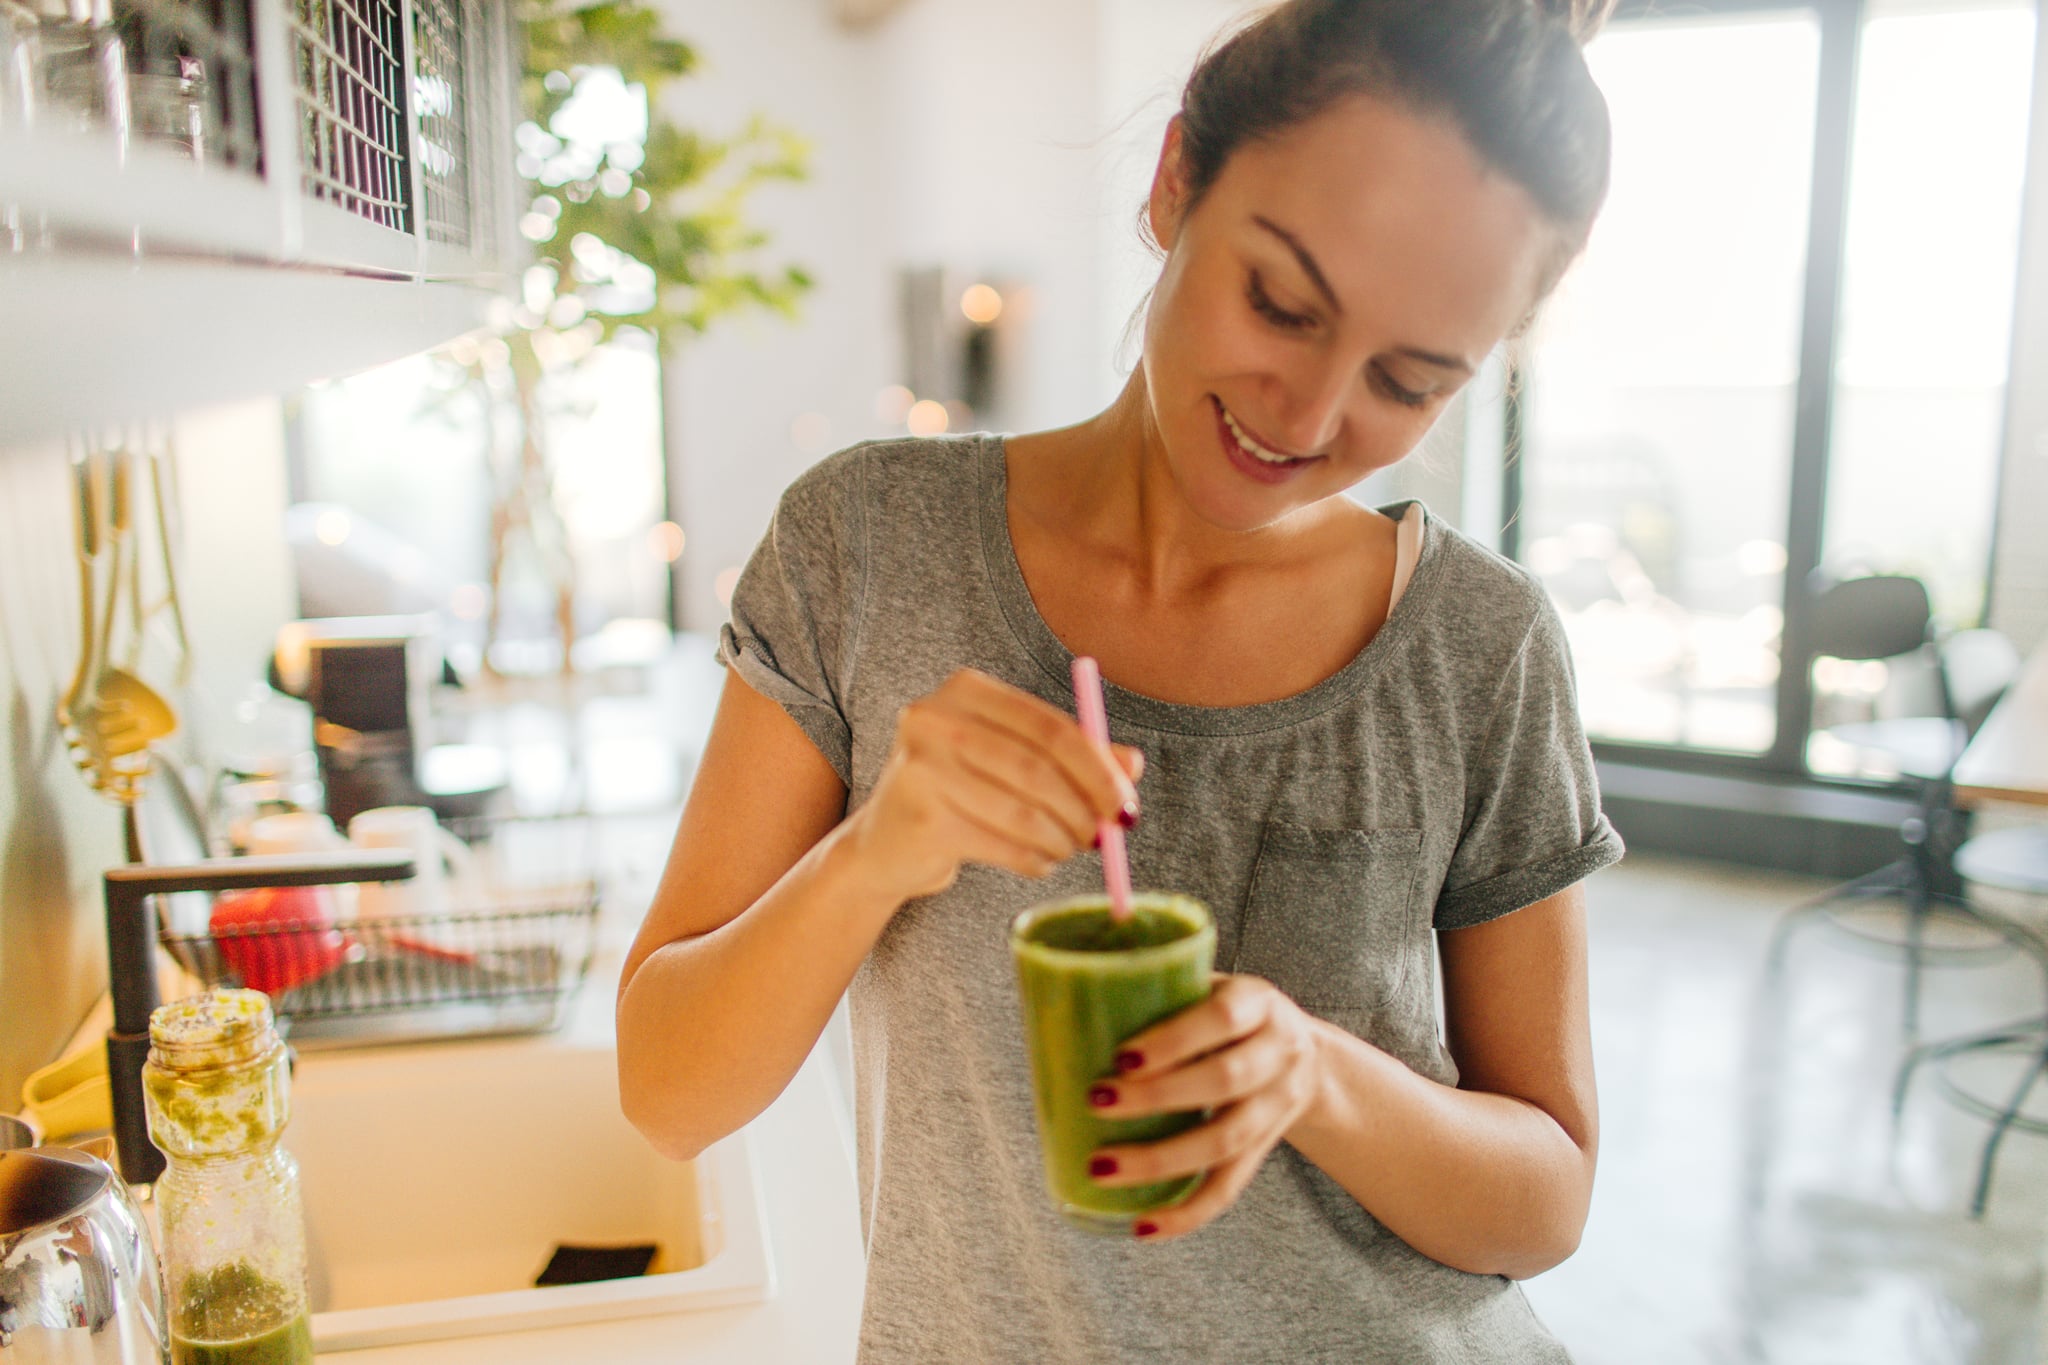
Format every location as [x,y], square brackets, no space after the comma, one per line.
[79,1280]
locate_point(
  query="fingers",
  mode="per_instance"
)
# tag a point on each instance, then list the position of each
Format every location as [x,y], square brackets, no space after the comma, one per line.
[1237,1007]
[1102,781]
[1225,1183]
[1229,1073]
[1029,777]
[1234,1129]
[982,772]
[1002,811]
[993,846]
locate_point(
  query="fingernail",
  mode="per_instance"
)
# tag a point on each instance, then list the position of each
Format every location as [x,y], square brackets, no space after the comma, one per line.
[1128,816]
[1144,1227]
[1096,842]
[1101,1165]
[1101,1096]
[1129,1060]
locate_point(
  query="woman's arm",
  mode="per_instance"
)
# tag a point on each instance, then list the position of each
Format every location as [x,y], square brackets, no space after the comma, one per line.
[1493,1176]
[770,900]
[718,1008]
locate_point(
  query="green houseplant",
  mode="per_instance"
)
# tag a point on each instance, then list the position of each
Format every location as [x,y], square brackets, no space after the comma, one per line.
[641,229]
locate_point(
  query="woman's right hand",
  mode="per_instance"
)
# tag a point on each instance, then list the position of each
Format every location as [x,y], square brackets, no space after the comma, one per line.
[983,772]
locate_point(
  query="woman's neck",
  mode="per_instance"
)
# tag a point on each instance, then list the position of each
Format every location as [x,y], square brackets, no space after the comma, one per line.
[1106,483]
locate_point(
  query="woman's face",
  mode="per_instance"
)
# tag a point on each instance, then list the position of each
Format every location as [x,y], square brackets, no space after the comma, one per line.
[1324,301]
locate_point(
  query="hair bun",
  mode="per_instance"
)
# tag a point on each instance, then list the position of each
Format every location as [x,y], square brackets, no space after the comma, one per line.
[1583,17]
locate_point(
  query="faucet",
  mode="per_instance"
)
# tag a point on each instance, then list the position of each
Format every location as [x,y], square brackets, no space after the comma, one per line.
[131,971]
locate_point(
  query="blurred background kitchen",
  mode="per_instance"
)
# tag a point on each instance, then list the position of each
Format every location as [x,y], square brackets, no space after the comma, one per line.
[483,341]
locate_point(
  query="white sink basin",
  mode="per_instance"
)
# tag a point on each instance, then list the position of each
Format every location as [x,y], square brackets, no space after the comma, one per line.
[439,1179]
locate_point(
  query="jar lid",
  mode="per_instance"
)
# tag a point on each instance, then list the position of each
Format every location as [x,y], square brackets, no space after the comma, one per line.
[216,1028]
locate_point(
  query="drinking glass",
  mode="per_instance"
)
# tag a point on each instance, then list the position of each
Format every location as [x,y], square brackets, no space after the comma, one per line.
[1089,983]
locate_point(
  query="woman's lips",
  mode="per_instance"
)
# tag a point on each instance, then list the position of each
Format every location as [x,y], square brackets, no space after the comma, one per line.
[1250,465]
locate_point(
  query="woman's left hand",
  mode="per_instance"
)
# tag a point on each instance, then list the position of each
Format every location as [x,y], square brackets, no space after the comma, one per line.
[1248,1053]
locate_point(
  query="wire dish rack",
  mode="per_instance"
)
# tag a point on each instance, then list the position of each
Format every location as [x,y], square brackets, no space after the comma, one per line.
[507,960]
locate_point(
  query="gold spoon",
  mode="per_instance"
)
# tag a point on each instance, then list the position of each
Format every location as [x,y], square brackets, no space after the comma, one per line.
[120,715]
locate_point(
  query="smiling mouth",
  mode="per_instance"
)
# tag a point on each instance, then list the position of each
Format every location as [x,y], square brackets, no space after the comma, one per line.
[1263,454]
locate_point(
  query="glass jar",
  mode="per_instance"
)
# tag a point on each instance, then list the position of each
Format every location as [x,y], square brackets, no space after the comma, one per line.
[217,1089]
[85,70]
[21,67]
[170,106]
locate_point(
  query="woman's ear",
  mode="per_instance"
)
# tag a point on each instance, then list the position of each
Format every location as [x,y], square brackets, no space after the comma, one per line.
[1169,189]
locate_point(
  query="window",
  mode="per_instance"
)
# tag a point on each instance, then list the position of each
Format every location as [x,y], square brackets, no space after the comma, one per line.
[1784,350]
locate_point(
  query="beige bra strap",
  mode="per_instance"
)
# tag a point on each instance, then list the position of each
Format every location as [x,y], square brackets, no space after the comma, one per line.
[1407,550]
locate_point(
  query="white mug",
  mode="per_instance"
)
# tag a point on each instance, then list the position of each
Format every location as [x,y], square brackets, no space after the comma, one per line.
[447,868]
[294,831]
[305,831]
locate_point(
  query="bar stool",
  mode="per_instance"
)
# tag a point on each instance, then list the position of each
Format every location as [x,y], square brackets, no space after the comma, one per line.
[1911,909]
[2012,860]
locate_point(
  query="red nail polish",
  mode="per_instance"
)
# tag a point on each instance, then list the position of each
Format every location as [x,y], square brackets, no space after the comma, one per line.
[1144,1227]
[1101,1165]
[1127,1060]
[1128,816]
[1102,1096]
[1096,842]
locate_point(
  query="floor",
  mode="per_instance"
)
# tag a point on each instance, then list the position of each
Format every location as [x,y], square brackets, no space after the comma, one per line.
[1755,1202]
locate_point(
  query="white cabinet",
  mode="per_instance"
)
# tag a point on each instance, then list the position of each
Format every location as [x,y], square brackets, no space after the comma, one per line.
[354,202]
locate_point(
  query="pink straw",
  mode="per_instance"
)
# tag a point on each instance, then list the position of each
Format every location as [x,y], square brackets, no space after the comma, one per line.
[1116,867]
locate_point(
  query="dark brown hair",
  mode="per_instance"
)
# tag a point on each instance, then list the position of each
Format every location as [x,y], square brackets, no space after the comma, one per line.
[1508,73]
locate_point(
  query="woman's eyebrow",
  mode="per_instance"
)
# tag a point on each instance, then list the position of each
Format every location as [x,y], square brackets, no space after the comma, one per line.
[1308,262]
[1449,362]
[1315,274]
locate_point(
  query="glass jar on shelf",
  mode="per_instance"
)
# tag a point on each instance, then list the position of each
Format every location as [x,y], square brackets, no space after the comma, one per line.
[168,104]
[21,67]
[217,1090]
[85,70]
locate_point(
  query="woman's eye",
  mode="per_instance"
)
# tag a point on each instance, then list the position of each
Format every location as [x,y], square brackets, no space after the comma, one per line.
[1407,397]
[1262,303]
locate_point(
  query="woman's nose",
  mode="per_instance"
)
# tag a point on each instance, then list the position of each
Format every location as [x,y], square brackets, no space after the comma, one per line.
[1309,407]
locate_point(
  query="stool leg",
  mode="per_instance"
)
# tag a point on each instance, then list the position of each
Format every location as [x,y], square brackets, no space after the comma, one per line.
[1904,1083]
[1998,1129]
[1916,930]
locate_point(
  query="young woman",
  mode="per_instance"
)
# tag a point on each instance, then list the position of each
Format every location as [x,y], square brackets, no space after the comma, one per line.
[1354,734]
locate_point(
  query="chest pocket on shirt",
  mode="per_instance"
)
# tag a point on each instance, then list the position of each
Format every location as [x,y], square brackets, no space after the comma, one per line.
[1332,918]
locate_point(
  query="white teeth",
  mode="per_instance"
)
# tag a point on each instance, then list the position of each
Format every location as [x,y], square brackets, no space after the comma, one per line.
[1250,446]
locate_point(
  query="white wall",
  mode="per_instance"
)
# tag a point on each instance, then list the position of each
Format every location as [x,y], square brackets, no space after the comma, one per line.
[2019,602]
[55,835]
[961,133]
[730,398]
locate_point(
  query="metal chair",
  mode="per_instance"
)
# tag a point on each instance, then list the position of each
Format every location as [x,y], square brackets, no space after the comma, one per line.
[1888,617]
[2012,860]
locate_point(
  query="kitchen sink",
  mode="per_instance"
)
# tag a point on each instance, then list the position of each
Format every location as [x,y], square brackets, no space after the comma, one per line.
[440,1178]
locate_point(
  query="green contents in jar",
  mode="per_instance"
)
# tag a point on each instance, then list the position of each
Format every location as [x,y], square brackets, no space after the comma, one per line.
[291,1344]
[231,1315]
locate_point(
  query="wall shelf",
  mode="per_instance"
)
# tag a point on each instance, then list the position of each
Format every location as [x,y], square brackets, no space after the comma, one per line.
[356,206]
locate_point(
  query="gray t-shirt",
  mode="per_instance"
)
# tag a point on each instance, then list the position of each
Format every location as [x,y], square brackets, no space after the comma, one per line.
[1438,780]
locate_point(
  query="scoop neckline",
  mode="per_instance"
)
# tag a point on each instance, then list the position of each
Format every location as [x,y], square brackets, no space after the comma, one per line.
[1020,612]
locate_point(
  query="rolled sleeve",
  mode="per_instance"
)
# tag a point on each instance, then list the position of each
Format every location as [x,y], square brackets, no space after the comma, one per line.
[1533,823]
[796,609]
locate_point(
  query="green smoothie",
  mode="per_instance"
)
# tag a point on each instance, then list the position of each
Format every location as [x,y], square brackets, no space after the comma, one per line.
[291,1344]
[232,1314]
[1088,985]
